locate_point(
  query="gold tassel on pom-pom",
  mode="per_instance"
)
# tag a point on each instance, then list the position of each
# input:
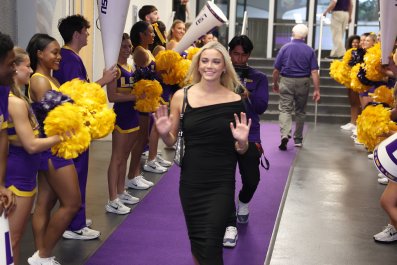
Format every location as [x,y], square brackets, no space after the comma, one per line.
[383,94]
[147,94]
[67,118]
[372,125]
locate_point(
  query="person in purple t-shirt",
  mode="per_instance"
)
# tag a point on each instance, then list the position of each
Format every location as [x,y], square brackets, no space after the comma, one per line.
[74,31]
[295,62]
[7,71]
[240,48]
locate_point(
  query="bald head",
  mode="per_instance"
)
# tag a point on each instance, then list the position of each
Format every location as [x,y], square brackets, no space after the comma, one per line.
[299,31]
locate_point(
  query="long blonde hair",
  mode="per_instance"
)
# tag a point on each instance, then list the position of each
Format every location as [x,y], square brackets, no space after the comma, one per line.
[229,78]
[20,56]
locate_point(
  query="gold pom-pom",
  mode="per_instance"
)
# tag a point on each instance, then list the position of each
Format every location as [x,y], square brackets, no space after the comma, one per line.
[165,60]
[85,94]
[348,55]
[373,63]
[67,118]
[102,123]
[191,52]
[372,125]
[383,94]
[147,94]
[340,72]
[355,83]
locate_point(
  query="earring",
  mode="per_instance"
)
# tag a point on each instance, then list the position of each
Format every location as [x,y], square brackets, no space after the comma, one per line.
[16,71]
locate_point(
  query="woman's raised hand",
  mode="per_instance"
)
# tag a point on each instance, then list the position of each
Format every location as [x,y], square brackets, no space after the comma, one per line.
[162,120]
[241,130]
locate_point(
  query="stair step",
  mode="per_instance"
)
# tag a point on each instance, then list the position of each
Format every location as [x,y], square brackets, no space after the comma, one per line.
[321,118]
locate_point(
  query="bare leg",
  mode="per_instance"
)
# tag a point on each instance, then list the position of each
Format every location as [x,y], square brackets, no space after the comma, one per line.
[364,101]
[139,146]
[388,201]
[64,184]
[355,107]
[18,220]
[121,147]
[153,143]
[46,200]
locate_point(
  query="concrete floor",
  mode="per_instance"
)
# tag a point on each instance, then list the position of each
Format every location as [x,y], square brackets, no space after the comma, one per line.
[331,207]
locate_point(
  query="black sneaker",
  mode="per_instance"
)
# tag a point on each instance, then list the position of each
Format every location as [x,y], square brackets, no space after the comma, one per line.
[298,142]
[283,145]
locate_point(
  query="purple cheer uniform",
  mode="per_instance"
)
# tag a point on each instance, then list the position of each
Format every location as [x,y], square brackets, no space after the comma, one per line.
[127,118]
[22,167]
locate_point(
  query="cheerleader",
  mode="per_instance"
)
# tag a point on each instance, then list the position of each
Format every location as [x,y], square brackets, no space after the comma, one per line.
[57,179]
[125,133]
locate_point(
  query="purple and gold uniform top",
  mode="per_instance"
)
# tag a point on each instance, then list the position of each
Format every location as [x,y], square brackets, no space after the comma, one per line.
[70,67]
[4,91]
[127,118]
[12,134]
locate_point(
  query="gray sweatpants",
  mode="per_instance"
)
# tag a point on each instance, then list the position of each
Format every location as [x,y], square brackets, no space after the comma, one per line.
[293,97]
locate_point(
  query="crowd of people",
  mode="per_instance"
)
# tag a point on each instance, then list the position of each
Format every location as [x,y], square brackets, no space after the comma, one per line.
[235,95]
[221,109]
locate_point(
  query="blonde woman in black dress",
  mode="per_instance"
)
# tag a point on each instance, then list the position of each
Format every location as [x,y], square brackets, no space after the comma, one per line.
[216,130]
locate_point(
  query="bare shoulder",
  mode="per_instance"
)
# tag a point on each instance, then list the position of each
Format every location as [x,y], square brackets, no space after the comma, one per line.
[16,101]
[39,82]
[17,105]
[231,95]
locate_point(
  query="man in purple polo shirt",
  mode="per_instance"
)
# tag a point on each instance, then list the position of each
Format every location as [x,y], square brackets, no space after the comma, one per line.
[295,62]
[7,71]
[341,17]
[74,31]
[240,48]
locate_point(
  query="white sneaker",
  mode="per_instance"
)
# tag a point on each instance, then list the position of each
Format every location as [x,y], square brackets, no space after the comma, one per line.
[82,234]
[354,131]
[117,207]
[348,127]
[242,212]
[380,175]
[383,181]
[88,222]
[127,198]
[371,156]
[36,260]
[230,237]
[162,161]
[154,166]
[145,155]
[137,183]
[388,235]
[147,182]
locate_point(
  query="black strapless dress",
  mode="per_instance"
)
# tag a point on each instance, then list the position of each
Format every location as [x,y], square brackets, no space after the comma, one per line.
[207,181]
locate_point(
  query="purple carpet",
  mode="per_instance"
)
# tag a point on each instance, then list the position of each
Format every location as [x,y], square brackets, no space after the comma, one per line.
[155,232]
